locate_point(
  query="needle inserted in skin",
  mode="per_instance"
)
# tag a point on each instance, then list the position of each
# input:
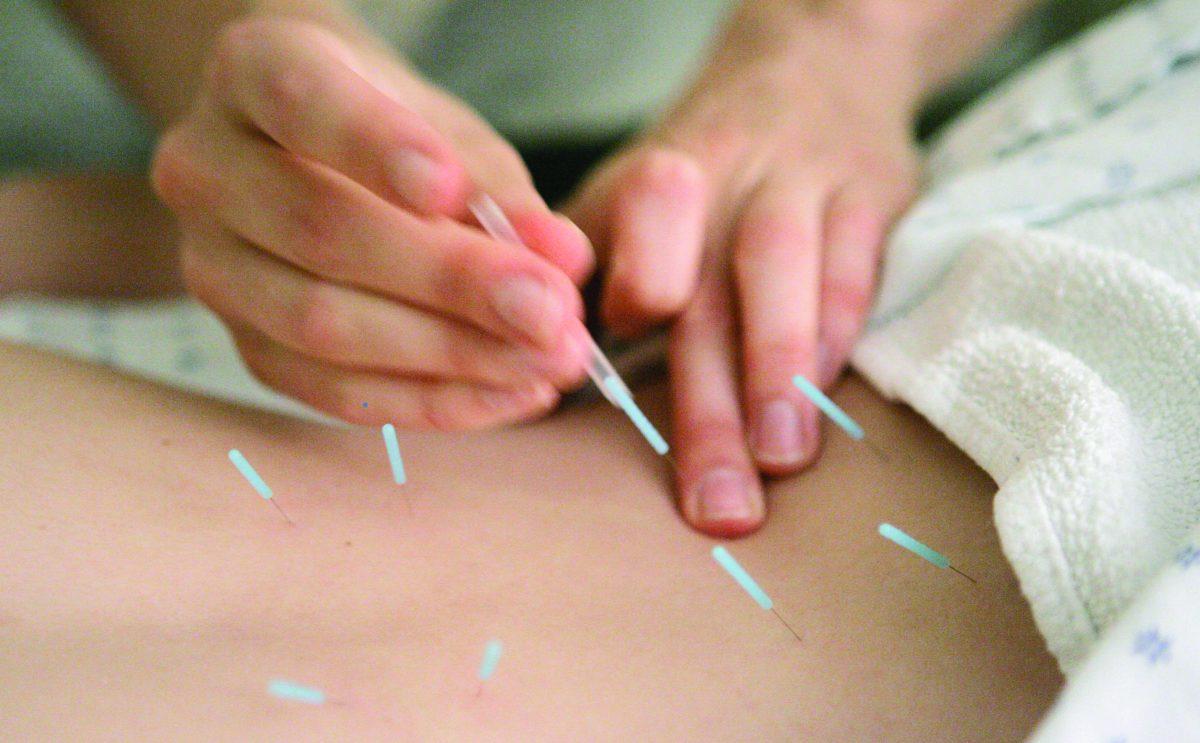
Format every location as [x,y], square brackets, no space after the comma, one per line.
[962,573]
[836,414]
[635,414]
[739,574]
[785,624]
[393,451]
[293,692]
[889,532]
[487,667]
[256,481]
[281,512]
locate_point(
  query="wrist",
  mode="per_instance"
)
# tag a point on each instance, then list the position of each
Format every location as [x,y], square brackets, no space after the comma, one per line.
[937,39]
[853,46]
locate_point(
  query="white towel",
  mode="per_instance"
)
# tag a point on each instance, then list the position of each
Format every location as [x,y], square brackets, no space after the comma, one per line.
[1041,306]
[1142,682]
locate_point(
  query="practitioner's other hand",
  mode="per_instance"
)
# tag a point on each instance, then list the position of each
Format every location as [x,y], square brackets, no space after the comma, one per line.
[322,189]
[753,214]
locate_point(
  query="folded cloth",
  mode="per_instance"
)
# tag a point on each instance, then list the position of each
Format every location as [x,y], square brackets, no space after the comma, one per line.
[1137,685]
[174,341]
[1041,306]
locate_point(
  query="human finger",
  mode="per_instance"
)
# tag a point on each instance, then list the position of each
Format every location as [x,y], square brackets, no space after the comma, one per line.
[777,260]
[855,226]
[719,490]
[406,401]
[656,214]
[295,82]
[310,217]
[347,327]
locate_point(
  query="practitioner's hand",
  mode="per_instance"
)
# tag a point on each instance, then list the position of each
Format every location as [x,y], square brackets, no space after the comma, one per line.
[322,190]
[754,213]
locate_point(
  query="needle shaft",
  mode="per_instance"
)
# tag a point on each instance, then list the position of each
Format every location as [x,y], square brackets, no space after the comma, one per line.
[785,624]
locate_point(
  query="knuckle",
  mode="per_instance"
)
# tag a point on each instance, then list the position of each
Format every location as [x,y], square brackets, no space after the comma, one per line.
[849,295]
[713,432]
[319,324]
[775,235]
[313,234]
[784,352]
[230,51]
[286,97]
[881,167]
[435,411]
[858,217]
[176,177]
[258,361]
[341,404]
[656,298]
[868,161]
[323,394]
[453,273]
[195,273]
[723,138]
[772,242]
[373,126]
[706,314]
[457,359]
[670,172]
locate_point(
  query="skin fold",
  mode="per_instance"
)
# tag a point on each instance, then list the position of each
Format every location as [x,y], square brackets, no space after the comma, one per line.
[147,592]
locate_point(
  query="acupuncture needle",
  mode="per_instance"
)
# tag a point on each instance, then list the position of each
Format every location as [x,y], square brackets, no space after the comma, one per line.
[749,585]
[891,533]
[393,451]
[492,219]
[487,666]
[256,481]
[294,692]
[836,414]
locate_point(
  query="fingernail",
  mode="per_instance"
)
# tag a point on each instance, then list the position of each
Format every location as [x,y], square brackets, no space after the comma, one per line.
[529,307]
[723,496]
[415,177]
[777,438]
[589,255]
[514,399]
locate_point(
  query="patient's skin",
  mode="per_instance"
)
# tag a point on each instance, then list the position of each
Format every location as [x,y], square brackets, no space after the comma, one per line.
[147,592]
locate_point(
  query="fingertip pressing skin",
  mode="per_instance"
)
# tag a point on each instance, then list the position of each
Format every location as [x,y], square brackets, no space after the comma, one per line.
[716,507]
[719,489]
[791,425]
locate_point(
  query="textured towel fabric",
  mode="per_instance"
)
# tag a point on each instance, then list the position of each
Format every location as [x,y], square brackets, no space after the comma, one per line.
[1142,682]
[1041,306]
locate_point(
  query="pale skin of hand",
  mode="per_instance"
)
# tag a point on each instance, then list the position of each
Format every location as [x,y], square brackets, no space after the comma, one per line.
[753,215]
[321,189]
